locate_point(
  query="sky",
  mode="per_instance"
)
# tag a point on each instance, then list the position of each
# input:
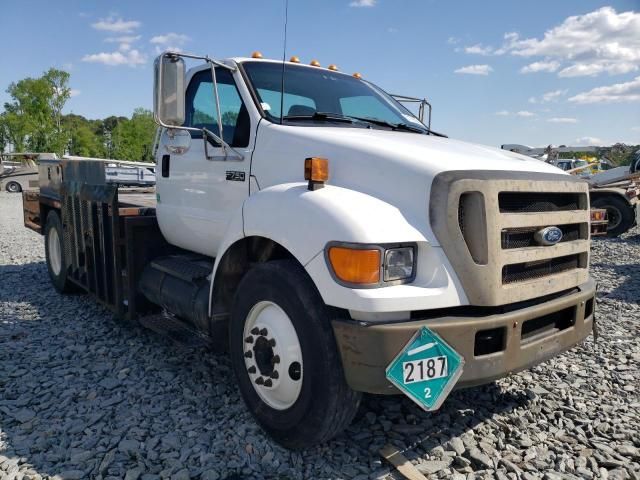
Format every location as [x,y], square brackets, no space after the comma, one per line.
[502,71]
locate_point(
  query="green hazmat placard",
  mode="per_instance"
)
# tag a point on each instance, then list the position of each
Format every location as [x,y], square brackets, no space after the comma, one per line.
[426,369]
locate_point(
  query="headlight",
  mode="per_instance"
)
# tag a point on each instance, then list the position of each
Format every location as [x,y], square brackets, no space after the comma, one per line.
[368,266]
[398,264]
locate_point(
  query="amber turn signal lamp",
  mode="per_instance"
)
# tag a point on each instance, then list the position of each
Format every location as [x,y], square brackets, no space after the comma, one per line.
[597,216]
[357,75]
[355,265]
[333,67]
[256,55]
[316,170]
[294,59]
[314,63]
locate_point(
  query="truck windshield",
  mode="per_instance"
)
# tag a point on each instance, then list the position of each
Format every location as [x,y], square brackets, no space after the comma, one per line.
[324,96]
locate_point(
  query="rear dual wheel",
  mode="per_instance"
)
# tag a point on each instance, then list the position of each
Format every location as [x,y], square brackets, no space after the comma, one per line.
[54,253]
[284,355]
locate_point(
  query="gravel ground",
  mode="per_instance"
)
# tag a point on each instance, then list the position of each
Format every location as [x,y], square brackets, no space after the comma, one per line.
[83,396]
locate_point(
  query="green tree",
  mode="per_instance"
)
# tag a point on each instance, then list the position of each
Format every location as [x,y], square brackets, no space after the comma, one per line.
[32,119]
[84,138]
[133,139]
[58,81]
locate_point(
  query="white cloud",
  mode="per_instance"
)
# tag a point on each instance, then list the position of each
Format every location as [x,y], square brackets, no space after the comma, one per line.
[363,3]
[583,45]
[475,70]
[552,96]
[130,58]
[478,49]
[562,120]
[169,42]
[117,25]
[453,40]
[540,67]
[521,113]
[123,39]
[589,141]
[74,93]
[636,129]
[619,92]
[176,38]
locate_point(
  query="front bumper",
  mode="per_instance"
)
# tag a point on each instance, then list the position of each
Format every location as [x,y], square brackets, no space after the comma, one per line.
[493,346]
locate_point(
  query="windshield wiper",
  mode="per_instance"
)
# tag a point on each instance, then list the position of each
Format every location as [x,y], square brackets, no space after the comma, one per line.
[393,126]
[323,116]
[338,117]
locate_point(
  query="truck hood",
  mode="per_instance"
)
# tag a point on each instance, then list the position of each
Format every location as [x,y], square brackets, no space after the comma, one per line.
[429,153]
[395,167]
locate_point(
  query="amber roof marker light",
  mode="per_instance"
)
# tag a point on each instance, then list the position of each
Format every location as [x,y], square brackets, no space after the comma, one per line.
[357,75]
[294,59]
[333,67]
[314,63]
[256,54]
[316,170]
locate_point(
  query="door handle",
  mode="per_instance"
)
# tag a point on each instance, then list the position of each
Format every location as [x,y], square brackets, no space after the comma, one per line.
[165,165]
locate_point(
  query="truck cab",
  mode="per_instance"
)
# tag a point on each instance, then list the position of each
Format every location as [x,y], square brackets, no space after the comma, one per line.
[315,228]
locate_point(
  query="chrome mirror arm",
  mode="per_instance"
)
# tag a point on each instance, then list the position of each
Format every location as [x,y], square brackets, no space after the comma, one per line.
[206,132]
[422,103]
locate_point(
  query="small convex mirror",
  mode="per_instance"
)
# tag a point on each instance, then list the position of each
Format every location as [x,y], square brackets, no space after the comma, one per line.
[176,141]
[169,80]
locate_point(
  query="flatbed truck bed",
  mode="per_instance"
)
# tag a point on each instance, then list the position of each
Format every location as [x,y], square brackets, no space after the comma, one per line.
[110,231]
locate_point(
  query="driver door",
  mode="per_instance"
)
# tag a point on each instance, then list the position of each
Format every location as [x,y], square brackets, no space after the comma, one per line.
[197,195]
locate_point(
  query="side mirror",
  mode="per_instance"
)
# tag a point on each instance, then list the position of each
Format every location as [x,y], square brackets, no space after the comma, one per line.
[169,80]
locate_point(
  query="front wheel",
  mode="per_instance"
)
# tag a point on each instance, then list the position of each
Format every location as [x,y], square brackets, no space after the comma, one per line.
[284,356]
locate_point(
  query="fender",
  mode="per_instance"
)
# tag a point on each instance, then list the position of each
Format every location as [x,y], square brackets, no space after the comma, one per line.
[304,221]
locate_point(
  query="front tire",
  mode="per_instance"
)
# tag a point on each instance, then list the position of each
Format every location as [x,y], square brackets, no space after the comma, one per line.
[54,253]
[619,214]
[285,359]
[13,187]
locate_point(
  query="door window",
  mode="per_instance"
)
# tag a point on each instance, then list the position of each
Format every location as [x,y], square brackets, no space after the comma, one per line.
[201,107]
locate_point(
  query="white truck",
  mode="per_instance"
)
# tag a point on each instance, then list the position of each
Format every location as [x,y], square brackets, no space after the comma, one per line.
[313,234]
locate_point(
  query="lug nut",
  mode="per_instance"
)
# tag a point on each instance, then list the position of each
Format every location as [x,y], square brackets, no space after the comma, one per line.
[259,381]
[264,332]
[275,359]
[249,340]
[275,375]
[248,354]
[255,331]
[251,369]
[272,342]
[268,383]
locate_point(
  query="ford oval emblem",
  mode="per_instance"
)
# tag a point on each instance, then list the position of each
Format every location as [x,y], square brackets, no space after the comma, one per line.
[548,236]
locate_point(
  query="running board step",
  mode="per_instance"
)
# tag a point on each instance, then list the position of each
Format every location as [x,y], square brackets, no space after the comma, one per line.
[188,269]
[170,326]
